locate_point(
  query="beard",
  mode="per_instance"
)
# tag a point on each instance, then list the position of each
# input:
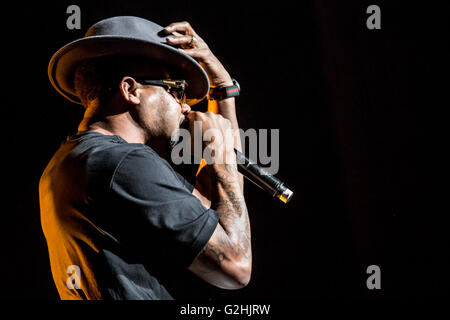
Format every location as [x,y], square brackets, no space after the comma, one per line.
[175,136]
[174,139]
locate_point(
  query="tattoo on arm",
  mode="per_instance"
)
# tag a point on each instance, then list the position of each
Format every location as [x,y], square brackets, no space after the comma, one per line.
[233,216]
[211,251]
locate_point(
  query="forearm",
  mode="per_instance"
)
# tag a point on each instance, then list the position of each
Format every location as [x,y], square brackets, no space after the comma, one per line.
[227,108]
[230,204]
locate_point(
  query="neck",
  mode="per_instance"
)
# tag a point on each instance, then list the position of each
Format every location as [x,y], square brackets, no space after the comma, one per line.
[129,133]
[123,125]
[115,122]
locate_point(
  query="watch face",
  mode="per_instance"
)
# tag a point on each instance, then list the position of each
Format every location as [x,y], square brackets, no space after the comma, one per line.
[236,84]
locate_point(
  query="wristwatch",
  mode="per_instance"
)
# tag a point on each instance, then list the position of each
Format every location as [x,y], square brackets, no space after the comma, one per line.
[220,93]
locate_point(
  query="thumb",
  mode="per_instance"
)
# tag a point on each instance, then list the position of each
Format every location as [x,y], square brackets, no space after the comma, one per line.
[190,115]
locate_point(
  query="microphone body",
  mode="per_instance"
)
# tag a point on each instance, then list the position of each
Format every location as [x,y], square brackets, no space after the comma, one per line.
[257,175]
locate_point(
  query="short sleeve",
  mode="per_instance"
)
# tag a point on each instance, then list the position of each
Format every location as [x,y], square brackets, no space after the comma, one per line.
[155,214]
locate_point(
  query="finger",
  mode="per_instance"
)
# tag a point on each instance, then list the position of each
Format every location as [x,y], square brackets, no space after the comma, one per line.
[183,27]
[190,115]
[193,115]
[179,40]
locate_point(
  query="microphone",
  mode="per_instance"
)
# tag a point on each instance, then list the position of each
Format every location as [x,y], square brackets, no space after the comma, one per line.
[261,178]
[255,174]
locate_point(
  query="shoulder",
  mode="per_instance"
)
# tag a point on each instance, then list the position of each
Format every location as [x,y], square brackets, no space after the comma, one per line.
[137,157]
[143,165]
[103,153]
[104,158]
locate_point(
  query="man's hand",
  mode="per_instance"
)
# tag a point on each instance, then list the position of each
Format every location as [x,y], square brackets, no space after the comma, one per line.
[192,44]
[217,135]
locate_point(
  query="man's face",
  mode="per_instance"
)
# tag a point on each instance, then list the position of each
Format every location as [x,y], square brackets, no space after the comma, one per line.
[159,113]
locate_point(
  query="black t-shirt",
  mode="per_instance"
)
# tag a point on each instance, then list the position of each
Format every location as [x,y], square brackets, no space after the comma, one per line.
[118,220]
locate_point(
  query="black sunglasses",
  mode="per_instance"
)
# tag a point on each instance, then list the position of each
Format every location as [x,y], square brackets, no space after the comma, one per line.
[178,86]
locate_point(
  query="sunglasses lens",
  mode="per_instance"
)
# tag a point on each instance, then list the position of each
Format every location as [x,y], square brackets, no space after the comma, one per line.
[179,94]
[175,87]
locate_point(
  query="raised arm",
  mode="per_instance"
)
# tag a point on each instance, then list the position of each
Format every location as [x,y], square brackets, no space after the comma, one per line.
[226,259]
[183,34]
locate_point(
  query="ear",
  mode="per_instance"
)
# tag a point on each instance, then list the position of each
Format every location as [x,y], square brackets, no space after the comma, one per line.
[129,90]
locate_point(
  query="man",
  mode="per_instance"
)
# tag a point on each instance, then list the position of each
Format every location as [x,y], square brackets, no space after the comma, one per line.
[115,215]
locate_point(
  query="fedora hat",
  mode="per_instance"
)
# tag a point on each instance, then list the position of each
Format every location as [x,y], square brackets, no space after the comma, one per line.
[130,36]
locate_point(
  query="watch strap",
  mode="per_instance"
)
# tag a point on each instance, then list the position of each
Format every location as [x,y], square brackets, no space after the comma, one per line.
[224,92]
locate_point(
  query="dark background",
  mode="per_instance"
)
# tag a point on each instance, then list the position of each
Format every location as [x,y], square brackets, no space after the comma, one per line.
[359,113]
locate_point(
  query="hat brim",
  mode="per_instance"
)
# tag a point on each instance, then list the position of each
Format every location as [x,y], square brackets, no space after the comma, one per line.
[62,65]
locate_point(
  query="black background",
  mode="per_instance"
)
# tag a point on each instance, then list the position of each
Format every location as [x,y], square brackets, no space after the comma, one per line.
[359,116]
